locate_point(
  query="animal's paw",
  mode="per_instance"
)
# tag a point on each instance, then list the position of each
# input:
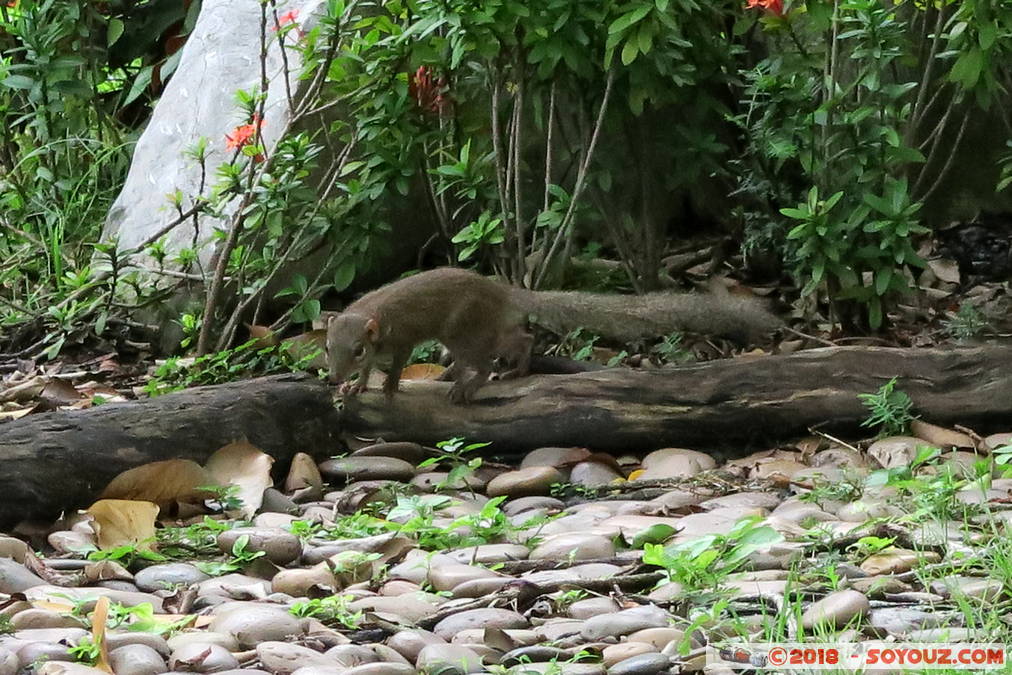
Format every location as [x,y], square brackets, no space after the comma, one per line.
[352,388]
[460,395]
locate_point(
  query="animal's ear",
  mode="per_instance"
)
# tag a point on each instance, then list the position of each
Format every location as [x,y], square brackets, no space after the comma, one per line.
[372,330]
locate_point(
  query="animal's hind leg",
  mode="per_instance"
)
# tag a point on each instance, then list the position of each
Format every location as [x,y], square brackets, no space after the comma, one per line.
[516,349]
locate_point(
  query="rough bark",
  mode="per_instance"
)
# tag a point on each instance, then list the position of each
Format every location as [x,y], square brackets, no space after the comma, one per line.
[59,460]
[706,405]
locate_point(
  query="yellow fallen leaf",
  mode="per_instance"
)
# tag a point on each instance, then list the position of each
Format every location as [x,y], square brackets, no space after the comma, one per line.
[121,522]
[422,371]
[98,621]
[636,474]
[164,483]
[244,465]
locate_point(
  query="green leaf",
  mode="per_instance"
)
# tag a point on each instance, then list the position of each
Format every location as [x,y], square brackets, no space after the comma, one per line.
[654,534]
[968,67]
[18,82]
[629,52]
[344,275]
[113,31]
[629,18]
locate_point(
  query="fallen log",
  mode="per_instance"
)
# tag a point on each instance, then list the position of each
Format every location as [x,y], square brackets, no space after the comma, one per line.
[704,405]
[58,460]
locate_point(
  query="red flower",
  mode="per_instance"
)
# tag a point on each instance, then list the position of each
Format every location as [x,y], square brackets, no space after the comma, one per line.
[427,93]
[775,7]
[243,135]
[288,17]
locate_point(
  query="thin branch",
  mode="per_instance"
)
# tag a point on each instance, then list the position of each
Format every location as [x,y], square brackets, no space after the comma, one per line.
[581,179]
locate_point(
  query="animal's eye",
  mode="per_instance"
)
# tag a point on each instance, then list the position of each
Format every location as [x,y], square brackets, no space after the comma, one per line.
[359,351]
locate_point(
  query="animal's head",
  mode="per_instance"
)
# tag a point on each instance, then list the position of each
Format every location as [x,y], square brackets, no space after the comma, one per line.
[351,341]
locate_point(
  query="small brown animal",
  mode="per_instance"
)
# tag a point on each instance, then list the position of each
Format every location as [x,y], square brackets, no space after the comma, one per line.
[479,319]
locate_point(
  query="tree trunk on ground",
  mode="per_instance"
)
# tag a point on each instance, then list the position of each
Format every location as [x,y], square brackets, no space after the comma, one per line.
[705,405]
[59,460]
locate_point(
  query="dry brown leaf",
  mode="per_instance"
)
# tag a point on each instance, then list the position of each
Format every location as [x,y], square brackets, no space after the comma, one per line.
[24,391]
[945,269]
[164,483]
[940,436]
[422,371]
[263,335]
[103,570]
[17,413]
[310,343]
[121,522]
[246,466]
[59,392]
[98,621]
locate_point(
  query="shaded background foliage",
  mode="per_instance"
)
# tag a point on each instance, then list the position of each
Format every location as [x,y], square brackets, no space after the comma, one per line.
[827,135]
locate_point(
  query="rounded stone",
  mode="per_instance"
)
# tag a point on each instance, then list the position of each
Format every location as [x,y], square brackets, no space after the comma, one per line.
[405,450]
[642,664]
[202,658]
[518,506]
[410,643]
[625,622]
[590,607]
[478,618]
[168,576]
[16,578]
[43,618]
[382,669]
[285,657]
[447,576]
[576,546]
[251,623]
[136,660]
[447,659]
[836,610]
[8,662]
[535,480]
[204,636]
[593,474]
[299,582]
[613,654]
[367,468]
[279,546]
[489,554]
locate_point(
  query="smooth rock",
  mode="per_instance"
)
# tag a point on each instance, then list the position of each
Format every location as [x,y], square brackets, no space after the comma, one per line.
[593,474]
[285,658]
[447,576]
[624,622]
[299,582]
[613,654]
[410,643]
[367,468]
[351,656]
[743,500]
[897,561]
[447,659]
[836,610]
[591,607]
[517,506]
[117,638]
[658,638]
[977,588]
[8,662]
[167,576]
[575,546]
[16,578]
[412,453]
[279,546]
[488,554]
[477,588]
[203,636]
[44,618]
[202,658]
[410,607]
[252,623]
[643,664]
[559,458]
[535,480]
[13,548]
[478,618]
[136,660]
[382,669]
